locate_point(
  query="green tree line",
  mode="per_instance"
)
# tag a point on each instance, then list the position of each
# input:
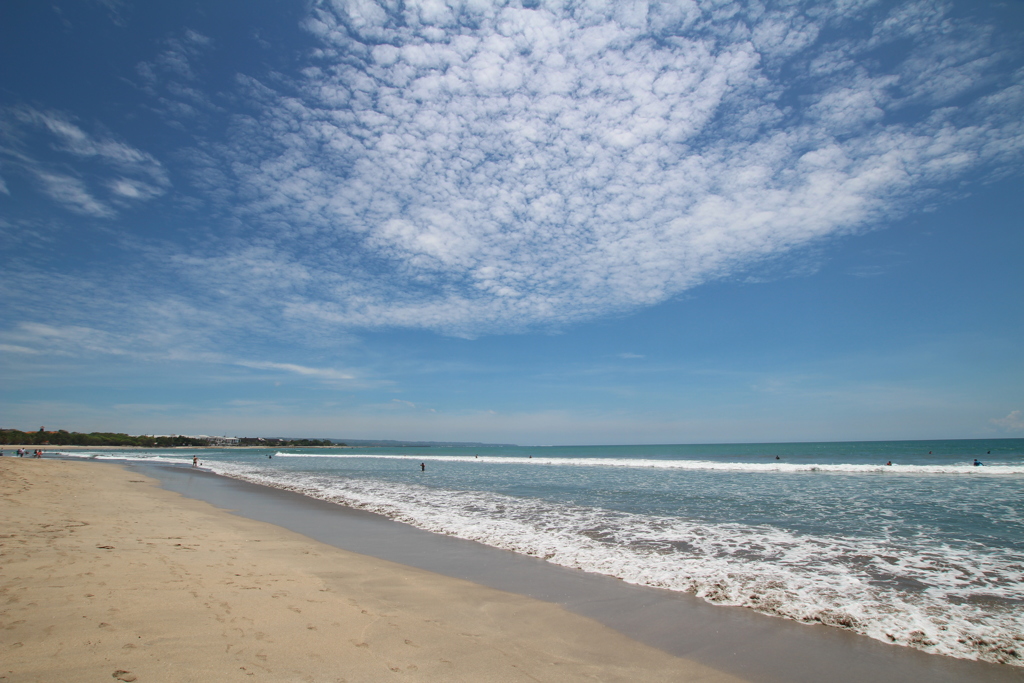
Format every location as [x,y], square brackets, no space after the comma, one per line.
[65,438]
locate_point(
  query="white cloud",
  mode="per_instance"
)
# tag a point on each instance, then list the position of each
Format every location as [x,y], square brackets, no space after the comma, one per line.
[73,194]
[115,10]
[94,175]
[148,343]
[397,403]
[14,348]
[1014,422]
[66,339]
[175,69]
[305,371]
[470,168]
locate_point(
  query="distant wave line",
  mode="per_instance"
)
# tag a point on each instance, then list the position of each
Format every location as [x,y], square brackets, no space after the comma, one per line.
[695,465]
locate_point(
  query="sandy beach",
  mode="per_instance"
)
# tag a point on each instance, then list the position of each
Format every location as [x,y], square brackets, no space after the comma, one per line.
[104,575]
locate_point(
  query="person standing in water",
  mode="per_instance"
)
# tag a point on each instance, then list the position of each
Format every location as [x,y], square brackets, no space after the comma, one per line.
[423,467]
[195,461]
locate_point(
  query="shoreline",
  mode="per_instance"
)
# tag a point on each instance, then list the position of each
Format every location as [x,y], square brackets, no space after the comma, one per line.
[738,640]
[721,640]
[105,573]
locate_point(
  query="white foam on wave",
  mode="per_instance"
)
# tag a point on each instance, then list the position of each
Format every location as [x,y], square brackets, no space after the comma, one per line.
[132,456]
[639,463]
[853,583]
[138,457]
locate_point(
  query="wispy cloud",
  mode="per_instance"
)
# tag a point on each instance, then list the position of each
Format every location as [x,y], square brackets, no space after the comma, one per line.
[15,348]
[78,341]
[399,403]
[172,79]
[320,373]
[472,168]
[89,174]
[1014,422]
[116,10]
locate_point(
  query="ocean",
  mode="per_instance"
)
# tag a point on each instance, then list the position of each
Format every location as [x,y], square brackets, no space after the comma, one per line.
[927,552]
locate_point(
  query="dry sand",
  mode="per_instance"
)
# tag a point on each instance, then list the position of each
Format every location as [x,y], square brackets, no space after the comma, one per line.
[105,576]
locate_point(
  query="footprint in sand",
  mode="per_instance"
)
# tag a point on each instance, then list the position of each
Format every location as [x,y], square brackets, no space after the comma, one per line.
[123,675]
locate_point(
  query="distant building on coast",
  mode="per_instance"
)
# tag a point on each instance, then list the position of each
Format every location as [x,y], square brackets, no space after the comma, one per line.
[220,440]
[212,440]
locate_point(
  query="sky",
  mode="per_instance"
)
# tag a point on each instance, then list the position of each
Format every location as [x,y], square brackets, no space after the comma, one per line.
[528,222]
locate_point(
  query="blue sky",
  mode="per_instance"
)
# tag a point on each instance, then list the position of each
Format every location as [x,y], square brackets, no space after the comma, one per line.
[606,222]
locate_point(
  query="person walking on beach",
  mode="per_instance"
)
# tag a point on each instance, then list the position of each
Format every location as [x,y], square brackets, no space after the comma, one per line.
[195,461]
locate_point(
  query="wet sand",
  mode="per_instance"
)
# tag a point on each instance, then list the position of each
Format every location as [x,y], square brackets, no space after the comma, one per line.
[104,575]
[736,640]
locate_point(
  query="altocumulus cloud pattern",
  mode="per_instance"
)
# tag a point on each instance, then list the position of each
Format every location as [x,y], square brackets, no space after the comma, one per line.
[470,167]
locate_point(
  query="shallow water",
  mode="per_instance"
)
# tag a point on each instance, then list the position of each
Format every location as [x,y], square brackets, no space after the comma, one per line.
[927,552]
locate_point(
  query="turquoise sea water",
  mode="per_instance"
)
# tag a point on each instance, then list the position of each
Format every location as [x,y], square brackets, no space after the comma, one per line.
[926,552]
